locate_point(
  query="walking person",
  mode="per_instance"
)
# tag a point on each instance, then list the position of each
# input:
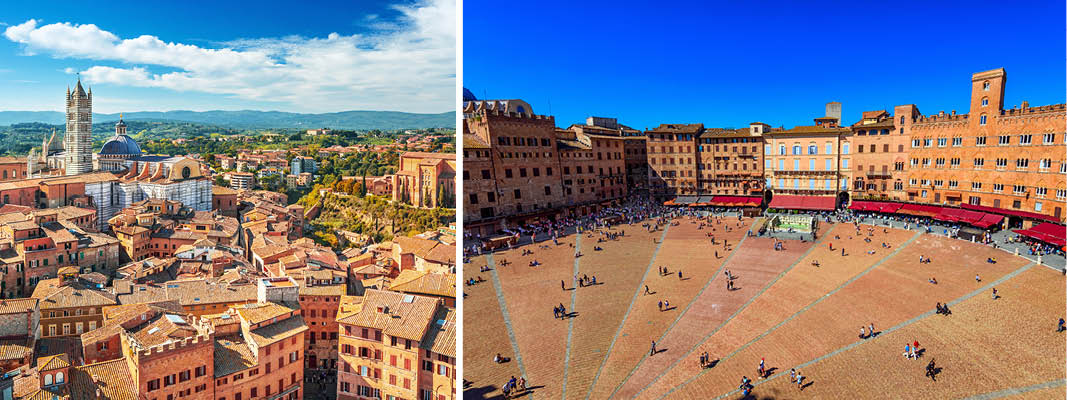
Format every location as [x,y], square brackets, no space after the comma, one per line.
[653,351]
[995,294]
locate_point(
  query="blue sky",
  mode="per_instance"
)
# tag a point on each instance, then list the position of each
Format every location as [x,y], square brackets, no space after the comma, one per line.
[331,56]
[730,63]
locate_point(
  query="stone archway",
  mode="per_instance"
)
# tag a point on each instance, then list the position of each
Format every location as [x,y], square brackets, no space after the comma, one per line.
[842,199]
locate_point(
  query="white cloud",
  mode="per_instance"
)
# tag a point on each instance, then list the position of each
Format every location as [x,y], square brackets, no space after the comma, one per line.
[409,68]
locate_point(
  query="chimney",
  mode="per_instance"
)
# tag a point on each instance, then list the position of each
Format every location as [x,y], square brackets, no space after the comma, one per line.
[953,113]
[381,310]
[1026,104]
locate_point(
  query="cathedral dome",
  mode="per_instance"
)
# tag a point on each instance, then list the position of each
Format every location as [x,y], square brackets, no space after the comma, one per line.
[121,145]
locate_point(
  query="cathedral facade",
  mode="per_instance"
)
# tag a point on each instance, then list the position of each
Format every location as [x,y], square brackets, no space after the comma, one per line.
[119,174]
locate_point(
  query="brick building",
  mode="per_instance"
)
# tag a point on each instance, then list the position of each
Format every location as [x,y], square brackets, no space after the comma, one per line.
[392,345]
[19,324]
[33,248]
[70,306]
[1010,160]
[881,156]
[319,303]
[248,352]
[426,180]
[520,168]
[730,161]
[809,167]
[672,159]
[224,201]
[479,184]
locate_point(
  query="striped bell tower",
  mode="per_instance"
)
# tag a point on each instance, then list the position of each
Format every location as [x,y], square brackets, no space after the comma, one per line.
[78,141]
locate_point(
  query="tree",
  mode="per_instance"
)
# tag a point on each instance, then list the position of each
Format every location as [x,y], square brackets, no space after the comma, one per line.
[220,181]
[363,187]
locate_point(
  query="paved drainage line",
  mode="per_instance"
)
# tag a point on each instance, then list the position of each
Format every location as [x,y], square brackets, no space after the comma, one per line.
[630,308]
[679,317]
[802,310]
[570,324]
[507,319]
[731,317]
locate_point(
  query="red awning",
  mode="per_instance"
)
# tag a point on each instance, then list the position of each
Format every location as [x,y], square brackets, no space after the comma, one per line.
[1016,213]
[736,201]
[921,210]
[879,206]
[959,215]
[1049,233]
[804,202]
[989,220]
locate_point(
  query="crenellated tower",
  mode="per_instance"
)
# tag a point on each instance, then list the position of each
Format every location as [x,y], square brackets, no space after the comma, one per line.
[78,140]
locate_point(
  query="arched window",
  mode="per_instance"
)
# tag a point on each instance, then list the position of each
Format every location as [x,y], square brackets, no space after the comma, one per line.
[521,109]
[59,377]
[902,120]
[985,86]
[47,379]
[985,101]
[981,120]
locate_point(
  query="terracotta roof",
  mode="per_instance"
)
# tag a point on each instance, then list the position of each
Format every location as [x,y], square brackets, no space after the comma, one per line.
[886,123]
[570,144]
[411,281]
[187,292]
[232,354]
[442,253]
[113,378]
[472,141]
[441,337]
[53,362]
[809,129]
[16,306]
[278,331]
[873,114]
[165,328]
[678,128]
[73,294]
[15,208]
[408,316]
[421,154]
[727,133]
[15,349]
[323,290]
[260,312]
[221,190]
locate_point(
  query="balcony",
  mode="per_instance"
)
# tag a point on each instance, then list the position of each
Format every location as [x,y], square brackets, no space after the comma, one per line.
[806,192]
[806,173]
[879,175]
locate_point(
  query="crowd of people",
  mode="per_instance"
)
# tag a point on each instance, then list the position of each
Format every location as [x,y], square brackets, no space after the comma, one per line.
[653,217]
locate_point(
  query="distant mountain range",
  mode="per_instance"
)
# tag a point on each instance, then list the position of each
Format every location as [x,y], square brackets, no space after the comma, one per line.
[248,119]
